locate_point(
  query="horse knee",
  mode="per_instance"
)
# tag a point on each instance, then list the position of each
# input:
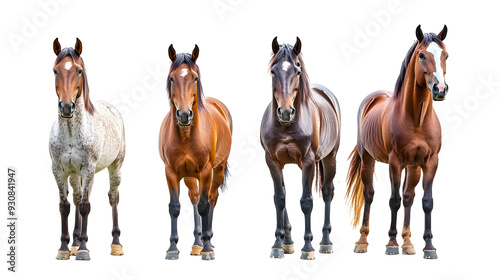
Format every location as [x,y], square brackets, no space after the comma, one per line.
[427,204]
[306,204]
[174,209]
[64,208]
[203,207]
[408,199]
[114,197]
[395,202]
[84,208]
[327,192]
[368,195]
[279,201]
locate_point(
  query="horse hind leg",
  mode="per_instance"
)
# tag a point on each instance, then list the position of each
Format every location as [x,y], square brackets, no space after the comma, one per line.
[194,196]
[114,198]
[392,247]
[76,183]
[411,180]
[367,168]
[327,189]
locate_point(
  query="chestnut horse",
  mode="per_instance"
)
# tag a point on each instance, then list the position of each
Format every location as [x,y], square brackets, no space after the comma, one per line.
[301,125]
[195,140]
[404,131]
[84,140]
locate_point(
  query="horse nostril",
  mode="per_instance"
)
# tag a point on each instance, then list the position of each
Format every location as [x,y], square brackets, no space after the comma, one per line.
[178,114]
[190,114]
[435,88]
[279,112]
[73,106]
[446,89]
[60,106]
[292,112]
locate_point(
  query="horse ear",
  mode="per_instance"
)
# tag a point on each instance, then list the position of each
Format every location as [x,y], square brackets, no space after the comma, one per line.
[171,52]
[276,46]
[297,47]
[443,33]
[78,46]
[195,53]
[56,46]
[419,33]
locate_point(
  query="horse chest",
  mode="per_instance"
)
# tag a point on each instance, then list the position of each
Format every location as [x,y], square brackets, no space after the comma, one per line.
[290,149]
[70,153]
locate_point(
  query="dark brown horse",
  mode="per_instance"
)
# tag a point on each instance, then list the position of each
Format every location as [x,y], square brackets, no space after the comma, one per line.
[301,125]
[195,140]
[402,130]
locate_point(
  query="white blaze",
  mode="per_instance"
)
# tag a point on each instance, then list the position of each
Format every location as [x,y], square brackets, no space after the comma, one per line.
[184,72]
[436,52]
[68,65]
[285,65]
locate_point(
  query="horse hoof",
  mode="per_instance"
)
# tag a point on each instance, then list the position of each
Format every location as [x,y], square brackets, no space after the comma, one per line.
[430,254]
[288,248]
[207,256]
[82,255]
[172,255]
[361,248]
[196,250]
[307,255]
[116,250]
[277,253]
[325,249]
[408,250]
[73,250]
[62,255]
[391,250]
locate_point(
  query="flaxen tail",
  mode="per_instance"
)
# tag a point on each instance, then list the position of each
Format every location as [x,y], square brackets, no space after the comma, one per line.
[355,187]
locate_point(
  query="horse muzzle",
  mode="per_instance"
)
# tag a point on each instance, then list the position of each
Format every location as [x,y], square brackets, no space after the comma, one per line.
[286,116]
[437,94]
[184,118]
[67,109]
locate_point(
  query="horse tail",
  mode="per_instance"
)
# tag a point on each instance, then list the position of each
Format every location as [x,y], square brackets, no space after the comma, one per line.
[223,186]
[355,187]
[320,175]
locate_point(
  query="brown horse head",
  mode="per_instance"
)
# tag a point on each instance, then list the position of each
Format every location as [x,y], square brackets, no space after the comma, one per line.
[430,66]
[71,79]
[184,86]
[289,79]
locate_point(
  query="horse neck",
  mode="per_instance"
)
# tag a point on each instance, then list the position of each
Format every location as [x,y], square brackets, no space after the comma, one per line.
[417,100]
[74,124]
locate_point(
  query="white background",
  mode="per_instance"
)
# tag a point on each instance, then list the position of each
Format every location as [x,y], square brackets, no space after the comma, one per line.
[125,52]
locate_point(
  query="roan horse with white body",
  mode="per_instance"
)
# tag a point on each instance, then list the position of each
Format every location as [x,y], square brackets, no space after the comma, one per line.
[84,140]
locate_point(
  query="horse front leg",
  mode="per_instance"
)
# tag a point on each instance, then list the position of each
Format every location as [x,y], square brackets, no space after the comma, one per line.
[205,209]
[276,170]
[64,208]
[429,171]
[194,196]
[392,248]
[174,208]
[306,204]
[411,181]
[114,197]
[87,182]
[76,182]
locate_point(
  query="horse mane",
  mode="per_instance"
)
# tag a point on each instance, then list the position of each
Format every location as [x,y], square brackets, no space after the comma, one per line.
[428,38]
[181,58]
[286,51]
[85,89]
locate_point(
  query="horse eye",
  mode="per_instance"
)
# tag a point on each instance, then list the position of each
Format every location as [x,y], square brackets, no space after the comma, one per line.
[298,64]
[272,72]
[196,79]
[55,72]
[80,71]
[171,79]
[421,56]
[446,57]
[298,73]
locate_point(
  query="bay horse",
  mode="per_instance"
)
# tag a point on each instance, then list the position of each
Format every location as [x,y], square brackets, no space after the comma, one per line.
[194,144]
[85,139]
[402,130]
[301,125]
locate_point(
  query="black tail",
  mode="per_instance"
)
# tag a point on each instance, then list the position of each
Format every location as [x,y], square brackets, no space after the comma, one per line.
[223,186]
